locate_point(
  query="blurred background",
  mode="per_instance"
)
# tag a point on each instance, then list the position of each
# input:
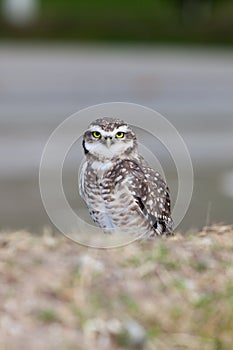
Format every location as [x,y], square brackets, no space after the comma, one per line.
[58,56]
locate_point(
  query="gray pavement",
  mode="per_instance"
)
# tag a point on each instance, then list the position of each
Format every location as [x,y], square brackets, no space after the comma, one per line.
[42,85]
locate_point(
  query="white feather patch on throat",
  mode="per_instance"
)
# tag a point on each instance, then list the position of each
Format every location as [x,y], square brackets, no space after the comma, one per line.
[103,166]
[99,149]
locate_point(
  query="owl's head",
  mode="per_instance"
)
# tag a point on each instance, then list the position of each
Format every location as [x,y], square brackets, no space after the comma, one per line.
[109,138]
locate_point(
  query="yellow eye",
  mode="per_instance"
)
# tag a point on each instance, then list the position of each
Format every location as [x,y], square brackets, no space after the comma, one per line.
[120,134]
[96,134]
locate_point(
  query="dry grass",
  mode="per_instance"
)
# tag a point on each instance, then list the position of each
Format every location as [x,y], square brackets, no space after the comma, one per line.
[166,294]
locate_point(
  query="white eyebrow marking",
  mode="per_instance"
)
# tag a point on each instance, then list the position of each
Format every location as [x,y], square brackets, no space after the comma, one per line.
[123,128]
[95,128]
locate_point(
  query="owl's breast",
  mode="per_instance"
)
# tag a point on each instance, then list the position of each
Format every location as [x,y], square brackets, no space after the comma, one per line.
[111,204]
[114,208]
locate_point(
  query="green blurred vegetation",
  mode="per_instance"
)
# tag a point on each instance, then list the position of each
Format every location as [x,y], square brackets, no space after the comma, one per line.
[202,21]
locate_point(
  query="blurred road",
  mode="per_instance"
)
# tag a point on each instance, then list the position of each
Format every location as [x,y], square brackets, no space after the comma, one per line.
[42,85]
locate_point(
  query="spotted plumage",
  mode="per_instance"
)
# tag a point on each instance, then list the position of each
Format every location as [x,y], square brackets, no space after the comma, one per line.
[121,191]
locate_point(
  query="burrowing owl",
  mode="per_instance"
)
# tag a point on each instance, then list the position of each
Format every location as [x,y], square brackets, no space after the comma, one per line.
[121,191]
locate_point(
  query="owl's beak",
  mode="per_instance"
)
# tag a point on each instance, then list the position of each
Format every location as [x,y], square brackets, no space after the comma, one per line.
[108,142]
